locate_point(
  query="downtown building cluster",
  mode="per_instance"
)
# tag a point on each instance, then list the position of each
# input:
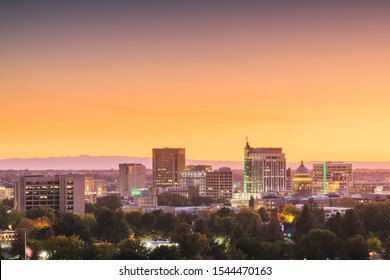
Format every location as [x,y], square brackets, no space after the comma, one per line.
[171,174]
[265,176]
[265,172]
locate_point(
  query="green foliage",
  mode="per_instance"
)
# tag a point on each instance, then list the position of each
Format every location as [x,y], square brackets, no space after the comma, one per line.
[7,203]
[273,232]
[317,212]
[201,200]
[386,247]
[172,199]
[128,254]
[64,248]
[351,224]
[321,244]
[112,226]
[25,224]
[374,244]
[185,217]
[112,202]
[165,253]
[252,202]
[334,224]
[67,225]
[195,246]
[182,231]
[3,210]
[225,226]
[104,233]
[104,251]
[147,222]
[133,218]
[38,212]
[176,200]
[13,218]
[238,233]
[91,208]
[36,247]
[131,249]
[42,233]
[17,249]
[71,224]
[263,214]
[219,249]
[165,223]
[27,228]
[260,250]
[247,218]
[311,217]
[225,212]
[291,209]
[305,222]
[3,222]
[356,248]
[89,221]
[271,251]
[191,244]
[375,216]
[200,226]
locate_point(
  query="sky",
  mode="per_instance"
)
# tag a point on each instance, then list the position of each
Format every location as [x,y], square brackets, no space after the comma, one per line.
[123,77]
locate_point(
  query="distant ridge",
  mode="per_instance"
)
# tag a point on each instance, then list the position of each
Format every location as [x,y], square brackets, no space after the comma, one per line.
[111,162]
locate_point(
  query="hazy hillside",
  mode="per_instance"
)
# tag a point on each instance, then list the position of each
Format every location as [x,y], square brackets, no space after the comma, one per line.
[111,162]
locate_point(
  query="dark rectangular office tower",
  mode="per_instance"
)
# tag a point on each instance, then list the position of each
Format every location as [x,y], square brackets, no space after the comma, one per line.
[168,166]
[219,183]
[63,193]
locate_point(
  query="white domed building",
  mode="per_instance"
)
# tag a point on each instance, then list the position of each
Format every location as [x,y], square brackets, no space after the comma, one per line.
[302,182]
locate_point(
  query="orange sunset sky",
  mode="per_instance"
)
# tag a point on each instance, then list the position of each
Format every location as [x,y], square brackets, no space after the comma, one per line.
[124,77]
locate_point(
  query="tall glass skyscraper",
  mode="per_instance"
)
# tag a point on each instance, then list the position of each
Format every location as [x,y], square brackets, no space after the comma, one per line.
[264,170]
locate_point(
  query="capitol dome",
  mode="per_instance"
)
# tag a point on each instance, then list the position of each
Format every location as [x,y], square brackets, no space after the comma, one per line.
[302,182]
[302,170]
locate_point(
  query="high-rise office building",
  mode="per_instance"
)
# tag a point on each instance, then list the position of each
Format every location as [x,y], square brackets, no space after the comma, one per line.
[264,170]
[333,177]
[219,183]
[168,167]
[195,176]
[63,193]
[132,178]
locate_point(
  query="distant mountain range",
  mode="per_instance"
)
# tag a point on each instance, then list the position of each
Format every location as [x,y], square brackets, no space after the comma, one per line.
[111,162]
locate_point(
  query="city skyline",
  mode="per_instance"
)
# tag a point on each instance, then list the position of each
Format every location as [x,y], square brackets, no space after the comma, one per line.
[118,79]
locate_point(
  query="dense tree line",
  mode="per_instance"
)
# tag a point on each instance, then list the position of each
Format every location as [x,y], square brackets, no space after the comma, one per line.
[177,200]
[362,231]
[107,232]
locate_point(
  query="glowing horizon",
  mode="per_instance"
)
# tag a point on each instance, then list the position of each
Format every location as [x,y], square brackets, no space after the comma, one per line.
[106,79]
